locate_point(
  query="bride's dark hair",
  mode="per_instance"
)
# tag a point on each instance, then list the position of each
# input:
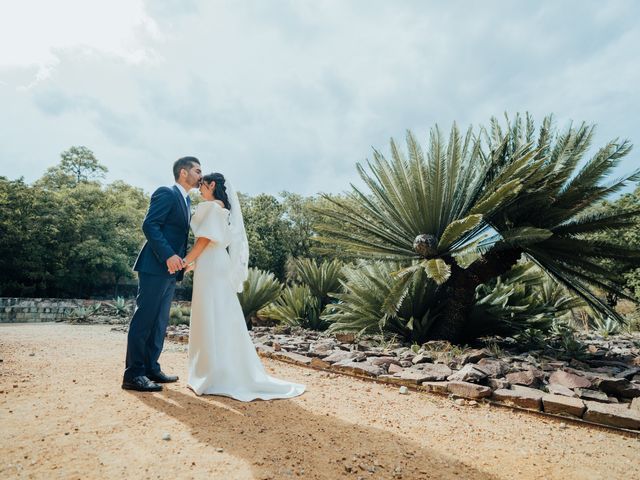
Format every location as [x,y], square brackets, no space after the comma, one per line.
[220,192]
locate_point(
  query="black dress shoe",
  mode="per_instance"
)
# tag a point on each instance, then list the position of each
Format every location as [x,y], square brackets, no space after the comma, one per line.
[141,384]
[162,377]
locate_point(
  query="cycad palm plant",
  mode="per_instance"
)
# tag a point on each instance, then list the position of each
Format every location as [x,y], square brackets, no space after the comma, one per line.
[361,307]
[429,211]
[260,289]
[322,278]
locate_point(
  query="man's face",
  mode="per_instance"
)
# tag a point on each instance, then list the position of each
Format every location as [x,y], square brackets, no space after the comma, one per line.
[193,175]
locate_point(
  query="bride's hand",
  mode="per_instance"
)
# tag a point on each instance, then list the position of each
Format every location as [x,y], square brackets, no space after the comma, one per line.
[189,267]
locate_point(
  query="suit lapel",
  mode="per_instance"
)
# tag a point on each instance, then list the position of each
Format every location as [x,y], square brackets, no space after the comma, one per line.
[183,204]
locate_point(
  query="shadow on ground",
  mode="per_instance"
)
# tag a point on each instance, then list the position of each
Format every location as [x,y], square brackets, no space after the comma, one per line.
[280,439]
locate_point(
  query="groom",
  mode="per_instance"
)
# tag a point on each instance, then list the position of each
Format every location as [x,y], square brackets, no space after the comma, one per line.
[159,266]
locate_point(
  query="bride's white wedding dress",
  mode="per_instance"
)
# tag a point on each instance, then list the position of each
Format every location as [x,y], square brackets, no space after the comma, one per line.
[222,358]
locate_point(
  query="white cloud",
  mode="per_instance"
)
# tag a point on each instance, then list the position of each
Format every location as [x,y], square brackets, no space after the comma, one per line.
[37,32]
[290,94]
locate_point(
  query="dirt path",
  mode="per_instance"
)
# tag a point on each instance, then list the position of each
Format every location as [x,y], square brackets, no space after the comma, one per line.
[64,415]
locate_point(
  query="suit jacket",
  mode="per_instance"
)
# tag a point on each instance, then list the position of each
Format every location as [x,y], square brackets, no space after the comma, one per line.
[166,227]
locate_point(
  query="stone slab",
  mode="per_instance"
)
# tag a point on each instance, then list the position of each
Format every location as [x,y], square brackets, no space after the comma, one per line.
[563,405]
[518,398]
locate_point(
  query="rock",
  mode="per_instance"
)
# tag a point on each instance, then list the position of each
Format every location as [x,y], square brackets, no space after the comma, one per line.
[527,378]
[493,368]
[524,399]
[563,405]
[321,349]
[436,387]
[593,395]
[468,390]
[220,450]
[497,383]
[569,380]
[403,390]
[393,368]
[421,358]
[468,373]
[620,387]
[434,372]
[318,363]
[635,404]
[166,436]
[472,356]
[405,377]
[359,368]
[529,390]
[614,415]
[460,401]
[292,357]
[276,346]
[262,348]
[345,337]
[340,355]
[383,361]
[557,389]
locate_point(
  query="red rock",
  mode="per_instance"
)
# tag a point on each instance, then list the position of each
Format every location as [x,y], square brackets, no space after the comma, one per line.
[569,380]
[526,378]
[562,405]
[359,368]
[468,390]
[522,399]
[557,389]
[318,363]
[393,368]
[612,414]
[435,387]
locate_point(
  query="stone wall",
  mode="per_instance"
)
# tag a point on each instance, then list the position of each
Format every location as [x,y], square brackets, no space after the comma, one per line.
[19,310]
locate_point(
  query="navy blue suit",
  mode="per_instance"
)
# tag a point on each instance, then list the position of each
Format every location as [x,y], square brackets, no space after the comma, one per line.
[166,227]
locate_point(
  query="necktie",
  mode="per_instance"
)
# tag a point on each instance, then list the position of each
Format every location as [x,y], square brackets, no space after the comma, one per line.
[189,205]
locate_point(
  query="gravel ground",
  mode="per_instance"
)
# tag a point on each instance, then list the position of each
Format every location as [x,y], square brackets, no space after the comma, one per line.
[64,415]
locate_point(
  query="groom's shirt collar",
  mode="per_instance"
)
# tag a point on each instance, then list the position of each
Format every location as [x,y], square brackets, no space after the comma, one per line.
[184,193]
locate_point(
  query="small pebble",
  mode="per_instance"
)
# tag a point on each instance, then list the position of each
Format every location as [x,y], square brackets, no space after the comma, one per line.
[460,401]
[32,354]
[166,436]
[219,450]
[563,425]
[403,390]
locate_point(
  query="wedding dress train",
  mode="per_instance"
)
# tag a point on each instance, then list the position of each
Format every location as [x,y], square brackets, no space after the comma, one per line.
[222,357]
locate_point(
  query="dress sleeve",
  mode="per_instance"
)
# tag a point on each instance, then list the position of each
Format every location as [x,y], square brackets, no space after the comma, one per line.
[209,221]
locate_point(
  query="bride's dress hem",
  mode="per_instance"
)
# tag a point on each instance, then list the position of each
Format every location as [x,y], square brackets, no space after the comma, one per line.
[297,391]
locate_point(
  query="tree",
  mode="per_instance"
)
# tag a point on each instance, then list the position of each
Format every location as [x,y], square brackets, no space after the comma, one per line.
[78,165]
[266,232]
[467,211]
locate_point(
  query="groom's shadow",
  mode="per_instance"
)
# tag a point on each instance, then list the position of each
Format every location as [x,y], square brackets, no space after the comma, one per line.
[279,438]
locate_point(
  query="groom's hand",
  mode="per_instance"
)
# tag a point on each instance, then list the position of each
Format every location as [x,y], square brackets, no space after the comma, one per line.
[174,264]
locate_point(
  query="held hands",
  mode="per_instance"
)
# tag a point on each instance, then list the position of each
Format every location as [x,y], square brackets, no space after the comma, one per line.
[175,264]
[188,266]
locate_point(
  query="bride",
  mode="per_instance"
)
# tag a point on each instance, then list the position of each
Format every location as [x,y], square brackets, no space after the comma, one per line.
[222,358]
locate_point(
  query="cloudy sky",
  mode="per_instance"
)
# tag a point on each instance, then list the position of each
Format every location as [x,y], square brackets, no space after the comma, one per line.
[289,95]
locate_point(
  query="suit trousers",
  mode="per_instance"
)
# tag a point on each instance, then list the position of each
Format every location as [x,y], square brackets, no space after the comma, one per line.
[149,324]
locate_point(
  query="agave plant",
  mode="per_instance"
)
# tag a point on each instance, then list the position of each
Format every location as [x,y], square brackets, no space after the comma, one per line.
[260,289]
[361,307]
[467,211]
[296,306]
[83,314]
[120,306]
[322,278]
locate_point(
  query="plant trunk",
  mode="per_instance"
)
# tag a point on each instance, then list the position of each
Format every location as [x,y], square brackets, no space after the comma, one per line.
[457,297]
